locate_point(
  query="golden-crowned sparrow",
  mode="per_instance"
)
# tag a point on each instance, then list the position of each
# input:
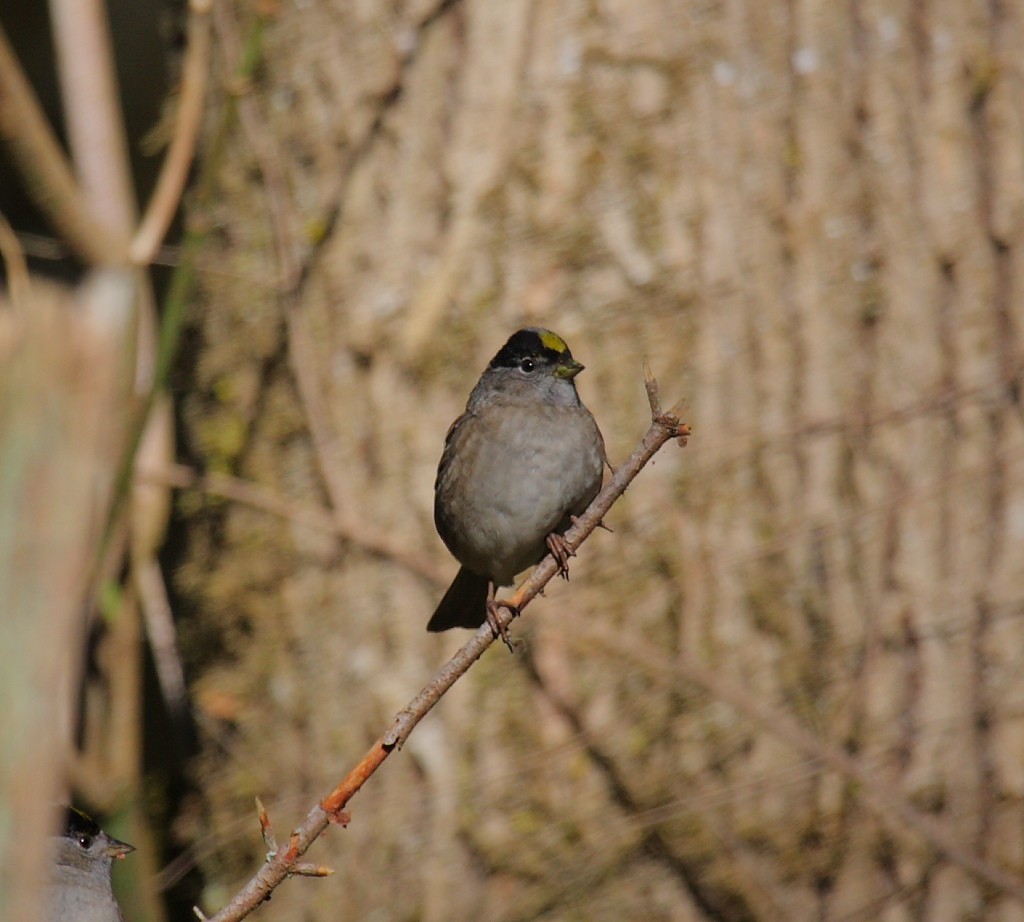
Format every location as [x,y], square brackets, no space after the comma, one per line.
[524,458]
[79,886]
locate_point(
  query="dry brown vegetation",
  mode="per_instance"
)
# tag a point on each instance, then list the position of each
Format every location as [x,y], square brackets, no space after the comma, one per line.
[809,218]
[790,685]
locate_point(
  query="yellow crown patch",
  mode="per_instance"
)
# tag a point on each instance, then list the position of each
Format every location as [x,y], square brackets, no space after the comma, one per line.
[553,341]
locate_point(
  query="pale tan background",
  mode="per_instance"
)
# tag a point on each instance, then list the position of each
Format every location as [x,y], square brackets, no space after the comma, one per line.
[808,215]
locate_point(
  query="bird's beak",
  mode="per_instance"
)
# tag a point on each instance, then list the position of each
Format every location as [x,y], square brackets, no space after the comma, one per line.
[117,849]
[569,369]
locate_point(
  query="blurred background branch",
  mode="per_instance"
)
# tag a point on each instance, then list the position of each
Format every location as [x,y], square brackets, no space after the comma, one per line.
[98,390]
[47,174]
[66,376]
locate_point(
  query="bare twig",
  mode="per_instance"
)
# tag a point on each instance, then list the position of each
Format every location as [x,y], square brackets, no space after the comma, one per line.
[162,635]
[267,831]
[302,869]
[664,426]
[651,386]
[92,114]
[305,869]
[174,172]
[45,169]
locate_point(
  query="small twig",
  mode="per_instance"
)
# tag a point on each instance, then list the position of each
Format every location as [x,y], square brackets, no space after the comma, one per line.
[174,172]
[163,636]
[664,426]
[304,869]
[651,386]
[267,831]
[301,869]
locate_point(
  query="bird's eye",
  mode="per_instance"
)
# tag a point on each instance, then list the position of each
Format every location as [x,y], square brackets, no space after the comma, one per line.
[527,365]
[85,841]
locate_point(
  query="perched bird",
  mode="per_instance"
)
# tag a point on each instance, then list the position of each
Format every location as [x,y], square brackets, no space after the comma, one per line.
[79,888]
[523,460]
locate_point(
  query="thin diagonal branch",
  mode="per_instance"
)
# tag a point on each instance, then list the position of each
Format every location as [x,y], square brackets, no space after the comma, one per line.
[664,426]
[174,172]
[44,167]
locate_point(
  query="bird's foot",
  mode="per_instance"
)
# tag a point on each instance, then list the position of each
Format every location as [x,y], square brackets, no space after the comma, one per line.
[499,629]
[561,551]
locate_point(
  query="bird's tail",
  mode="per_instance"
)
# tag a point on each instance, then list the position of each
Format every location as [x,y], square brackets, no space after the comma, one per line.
[463,605]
